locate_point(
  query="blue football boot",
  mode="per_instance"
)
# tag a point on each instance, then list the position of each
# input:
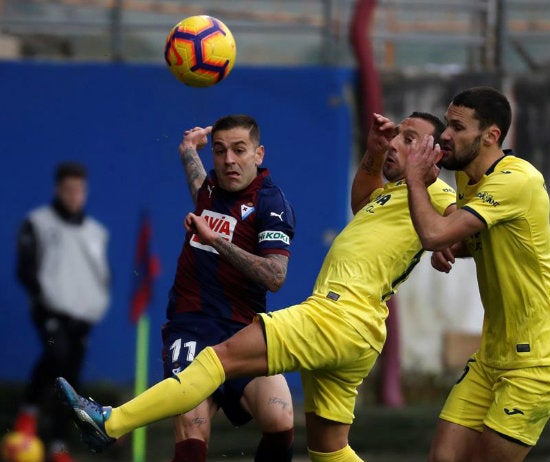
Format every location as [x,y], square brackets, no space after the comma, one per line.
[88,416]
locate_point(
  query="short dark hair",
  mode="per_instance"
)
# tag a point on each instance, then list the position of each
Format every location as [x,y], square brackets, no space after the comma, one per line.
[69,170]
[438,124]
[238,120]
[490,107]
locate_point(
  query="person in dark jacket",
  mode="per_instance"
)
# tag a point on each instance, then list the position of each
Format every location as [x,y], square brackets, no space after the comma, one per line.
[62,264]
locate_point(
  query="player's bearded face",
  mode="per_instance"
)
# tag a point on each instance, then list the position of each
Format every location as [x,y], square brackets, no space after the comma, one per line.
[461,154]
[461,140]
[236,158]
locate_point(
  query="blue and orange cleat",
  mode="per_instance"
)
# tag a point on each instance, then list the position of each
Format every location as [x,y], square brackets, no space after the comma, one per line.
[88,416]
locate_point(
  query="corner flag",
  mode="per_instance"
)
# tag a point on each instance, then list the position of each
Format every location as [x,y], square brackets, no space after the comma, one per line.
[146,270]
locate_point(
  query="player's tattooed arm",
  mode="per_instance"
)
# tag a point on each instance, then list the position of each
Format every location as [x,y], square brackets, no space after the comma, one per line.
[194,170]
[270,271]
[369,175]
[193,140]
[367,178]
[370,165]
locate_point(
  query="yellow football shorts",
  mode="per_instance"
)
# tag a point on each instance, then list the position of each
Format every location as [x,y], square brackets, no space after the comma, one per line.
[515,403]
[333,358]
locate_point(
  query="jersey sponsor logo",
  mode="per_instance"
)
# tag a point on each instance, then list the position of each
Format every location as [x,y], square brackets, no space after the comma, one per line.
[246,210]
[210,190]
[381,199]
[278,215]
[487,198]
[222,225]
[513,411]
[273,236]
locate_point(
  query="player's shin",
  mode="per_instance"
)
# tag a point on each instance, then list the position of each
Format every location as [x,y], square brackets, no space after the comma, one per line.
[170,397]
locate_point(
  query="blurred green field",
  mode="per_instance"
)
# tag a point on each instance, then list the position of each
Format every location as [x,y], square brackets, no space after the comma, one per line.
[379,433]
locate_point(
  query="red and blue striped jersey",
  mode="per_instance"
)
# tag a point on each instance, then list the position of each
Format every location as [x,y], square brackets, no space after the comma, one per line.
[259,220]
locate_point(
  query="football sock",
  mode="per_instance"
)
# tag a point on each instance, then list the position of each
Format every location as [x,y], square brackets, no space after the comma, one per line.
[173,396]
[190,450]
[275,447]
[345,454]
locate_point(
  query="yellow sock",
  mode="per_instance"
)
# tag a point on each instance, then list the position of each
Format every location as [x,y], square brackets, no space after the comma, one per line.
[170,397]
[345,454]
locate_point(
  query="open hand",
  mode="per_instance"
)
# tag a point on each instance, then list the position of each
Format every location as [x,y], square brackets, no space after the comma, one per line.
[196,137]
[422,161]
[380,134]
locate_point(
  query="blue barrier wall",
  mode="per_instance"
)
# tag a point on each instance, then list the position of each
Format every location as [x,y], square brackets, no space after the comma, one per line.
[125,122]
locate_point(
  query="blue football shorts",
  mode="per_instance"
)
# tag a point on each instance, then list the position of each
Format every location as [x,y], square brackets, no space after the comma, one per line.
[183,339]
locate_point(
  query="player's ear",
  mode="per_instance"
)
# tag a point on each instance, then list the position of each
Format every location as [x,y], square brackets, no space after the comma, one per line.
[260,150]
[491,135]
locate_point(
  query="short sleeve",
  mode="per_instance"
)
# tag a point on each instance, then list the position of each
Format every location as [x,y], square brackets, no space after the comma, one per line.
[441,195]
[504,196]
[276,222]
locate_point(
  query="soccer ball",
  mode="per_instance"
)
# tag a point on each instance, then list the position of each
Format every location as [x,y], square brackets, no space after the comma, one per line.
[20,447]
[200,51]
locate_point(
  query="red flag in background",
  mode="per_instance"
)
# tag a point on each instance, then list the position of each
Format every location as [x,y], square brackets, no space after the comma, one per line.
[146,270]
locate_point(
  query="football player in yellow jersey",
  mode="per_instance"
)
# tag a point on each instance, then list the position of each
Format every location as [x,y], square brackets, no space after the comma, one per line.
[500,405]
[333,338]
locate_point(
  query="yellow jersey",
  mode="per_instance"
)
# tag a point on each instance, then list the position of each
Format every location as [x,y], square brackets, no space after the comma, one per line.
[512,258]
[372,255]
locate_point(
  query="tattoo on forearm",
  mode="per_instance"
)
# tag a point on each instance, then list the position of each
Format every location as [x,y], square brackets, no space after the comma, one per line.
[194,170]
[269,271]
[367,164]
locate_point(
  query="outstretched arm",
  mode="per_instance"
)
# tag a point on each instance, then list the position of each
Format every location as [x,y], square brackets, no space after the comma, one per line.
[436,232]
[193,140]
[270,271]
[369,176]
